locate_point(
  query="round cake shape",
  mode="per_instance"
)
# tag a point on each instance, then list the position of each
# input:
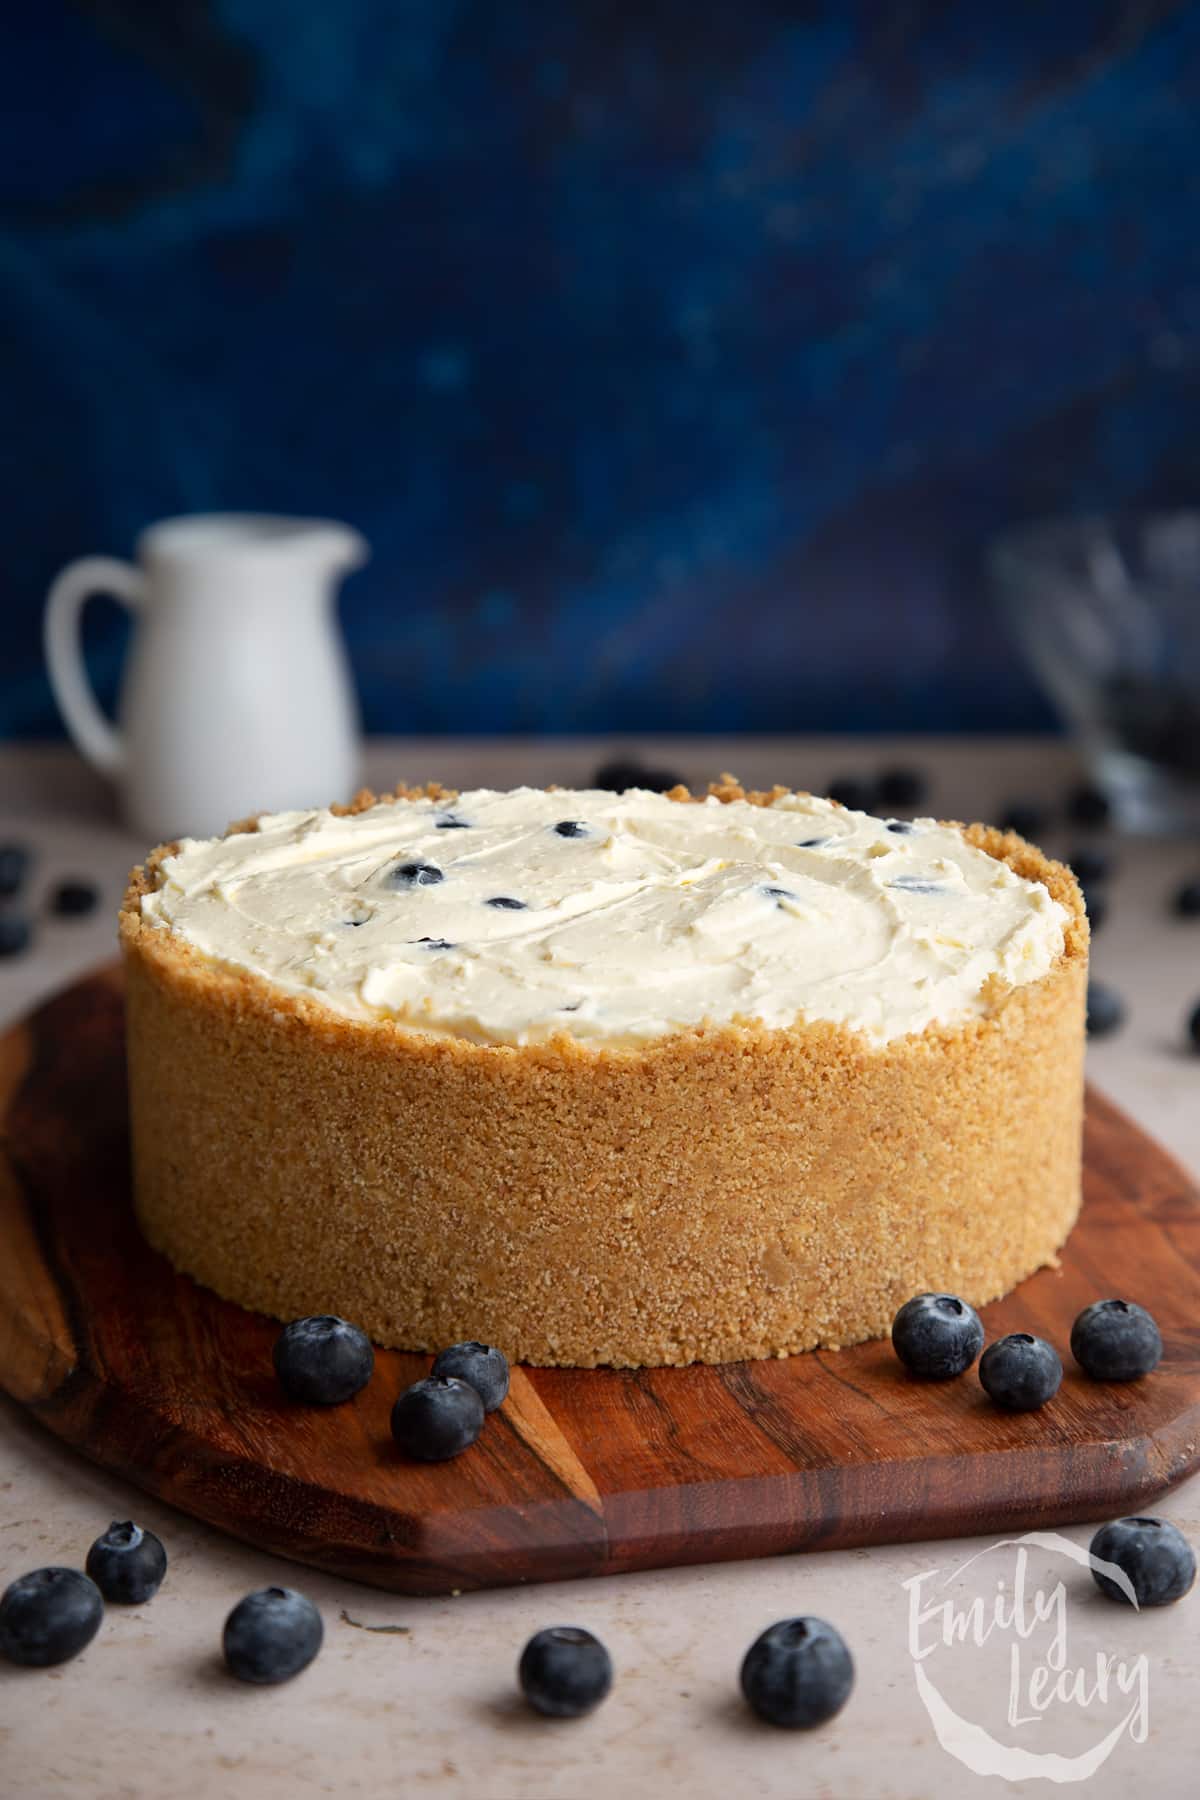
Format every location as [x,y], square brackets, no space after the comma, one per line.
[714,1191]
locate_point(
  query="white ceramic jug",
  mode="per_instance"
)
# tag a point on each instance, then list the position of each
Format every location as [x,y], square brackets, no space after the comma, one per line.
[237,696]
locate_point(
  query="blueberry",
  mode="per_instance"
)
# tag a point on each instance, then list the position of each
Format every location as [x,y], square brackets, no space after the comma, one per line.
[437,1418]
[903,787]
[414,874]
[564,1671]
[937,1335]
[74,899]
[127,1564]
[1105,1010]
[1090,864]
[481,1366]
[1114,1340]
[506,903]
[811,843]
[798,1673]
[15,933]
[436,943]
[1025,817]
[449,823]
[1193,1026]
[1153,1554]
[14,866]
[271,1635]
[571,828]
[323,1360]
[778,893]
[49,1616]
[1020,1372]
[1095,901]
[1186,904]
[618,776]
[901,827]
[856,792]
[916,884]
[1088,805]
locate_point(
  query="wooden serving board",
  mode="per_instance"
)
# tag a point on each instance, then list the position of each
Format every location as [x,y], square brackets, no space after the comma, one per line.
[582,1472]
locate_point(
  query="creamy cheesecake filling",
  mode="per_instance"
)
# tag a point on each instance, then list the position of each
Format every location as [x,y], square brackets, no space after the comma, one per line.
[512,917]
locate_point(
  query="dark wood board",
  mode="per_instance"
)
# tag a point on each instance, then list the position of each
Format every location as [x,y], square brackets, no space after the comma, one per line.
[582,1472]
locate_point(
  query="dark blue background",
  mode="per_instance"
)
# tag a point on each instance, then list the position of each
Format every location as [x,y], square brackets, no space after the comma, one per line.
[676,359]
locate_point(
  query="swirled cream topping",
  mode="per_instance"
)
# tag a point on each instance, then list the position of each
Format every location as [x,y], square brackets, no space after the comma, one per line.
[511,917]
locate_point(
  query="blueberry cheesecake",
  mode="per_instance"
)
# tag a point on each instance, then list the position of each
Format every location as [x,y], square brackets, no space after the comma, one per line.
[597,1077]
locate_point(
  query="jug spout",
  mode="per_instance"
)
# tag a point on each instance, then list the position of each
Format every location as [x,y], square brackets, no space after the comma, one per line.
[225,544]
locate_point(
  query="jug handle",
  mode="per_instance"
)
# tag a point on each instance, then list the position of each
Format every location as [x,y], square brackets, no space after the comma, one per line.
[99,740]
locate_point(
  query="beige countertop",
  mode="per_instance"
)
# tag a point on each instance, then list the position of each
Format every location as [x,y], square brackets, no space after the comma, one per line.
[147,1711]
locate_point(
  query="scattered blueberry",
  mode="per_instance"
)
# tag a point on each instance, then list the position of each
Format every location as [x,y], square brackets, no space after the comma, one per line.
[1105,1010]
[1095,901]
[937,1335]
[1020,1372]
[564,1671]
[902,787]
[901,827]
[1088,805]
[798,1673]
[506,903]
[415,874]
[437,1418]
[1091,864]
[811,843]
[1153,1554]
[1194,1026]
[15,933]
[436,943]
[1115,1340]
[323,1360]
[571,828]
[778,893]
[127,1564]
[49,1616]
[856,792]
[1186,904]
[1026,818]
[482,1366]
[271,1635]
[618,776]
[14,866]
[449,823]
[73,899]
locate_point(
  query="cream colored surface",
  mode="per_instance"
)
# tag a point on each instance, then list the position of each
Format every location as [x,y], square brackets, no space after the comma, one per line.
[146,1711]
[508,917]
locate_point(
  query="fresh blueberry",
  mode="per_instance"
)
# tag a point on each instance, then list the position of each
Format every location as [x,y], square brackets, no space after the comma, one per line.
[571,828]
[437,1418]
[1186,904]
[74,899]
[49,1616]
[618,776]
[449,823]
[1090,864]
[271,1635]
[14,866]
[811,843]
[323,1360]
[1193,1026]
[1105,1010]
[1088,805]
[436,943]
[1020,1372]
[564,1671]
[778,893]
[482,1366]
[1025,817]
[1153,1555]
[901,827]
[127,1564]
[855,792]
[903,787]
[506,903]
[1095,902]
[798,1673]
[1115,1340]
[415,874]
[937,1335]
[15,933]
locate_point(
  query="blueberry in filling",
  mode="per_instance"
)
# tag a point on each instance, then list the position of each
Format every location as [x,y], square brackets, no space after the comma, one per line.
[916,884]
[778,893]
[506,903]
[570,828]
[414,874]
[436,943]
[450,823]
[901,827]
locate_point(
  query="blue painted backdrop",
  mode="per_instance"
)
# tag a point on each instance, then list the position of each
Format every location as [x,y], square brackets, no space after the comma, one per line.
[676,359]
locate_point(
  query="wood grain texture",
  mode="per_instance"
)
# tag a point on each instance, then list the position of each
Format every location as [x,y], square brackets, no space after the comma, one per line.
[581,1472]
